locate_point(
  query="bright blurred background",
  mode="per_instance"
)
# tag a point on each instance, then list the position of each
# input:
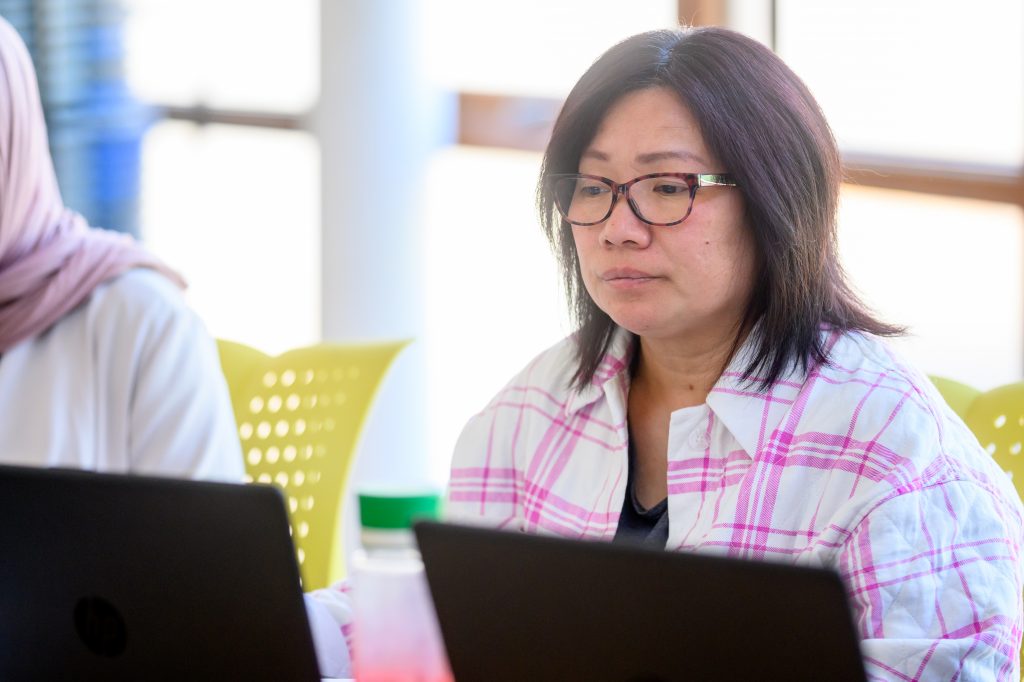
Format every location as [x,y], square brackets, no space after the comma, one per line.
[365,169]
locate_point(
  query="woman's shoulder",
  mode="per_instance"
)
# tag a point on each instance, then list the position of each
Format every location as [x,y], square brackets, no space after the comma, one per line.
[912,441]
[864,361]
[139,304]
[871,392]
[140,290]
[143,297]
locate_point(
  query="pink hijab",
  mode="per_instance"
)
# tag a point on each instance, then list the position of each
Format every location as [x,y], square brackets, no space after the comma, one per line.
[50,259]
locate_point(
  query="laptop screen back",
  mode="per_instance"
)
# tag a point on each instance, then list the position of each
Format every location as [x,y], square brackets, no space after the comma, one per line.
[514,606]
[120,577]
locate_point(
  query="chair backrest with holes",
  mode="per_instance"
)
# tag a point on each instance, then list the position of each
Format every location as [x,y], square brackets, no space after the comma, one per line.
[996,417]
[299,417]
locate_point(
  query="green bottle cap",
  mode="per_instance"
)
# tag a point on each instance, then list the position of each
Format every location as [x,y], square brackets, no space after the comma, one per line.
[396,510]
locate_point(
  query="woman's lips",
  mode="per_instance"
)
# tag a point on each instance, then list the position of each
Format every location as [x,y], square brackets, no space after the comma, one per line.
[627,278]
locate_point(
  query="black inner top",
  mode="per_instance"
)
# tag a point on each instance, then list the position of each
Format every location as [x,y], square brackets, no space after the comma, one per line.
[636,524]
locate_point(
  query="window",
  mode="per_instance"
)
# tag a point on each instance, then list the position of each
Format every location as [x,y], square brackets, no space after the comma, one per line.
[927,96]
[532,47]
[937,80]
[950,269]
[235,208]
[225,54]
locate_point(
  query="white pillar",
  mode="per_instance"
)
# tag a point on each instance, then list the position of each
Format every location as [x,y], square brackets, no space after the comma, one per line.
[378,121]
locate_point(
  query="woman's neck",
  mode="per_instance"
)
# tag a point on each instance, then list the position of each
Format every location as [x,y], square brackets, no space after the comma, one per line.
[680,375]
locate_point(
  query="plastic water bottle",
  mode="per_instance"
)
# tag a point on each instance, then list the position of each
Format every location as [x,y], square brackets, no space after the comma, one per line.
[396,636]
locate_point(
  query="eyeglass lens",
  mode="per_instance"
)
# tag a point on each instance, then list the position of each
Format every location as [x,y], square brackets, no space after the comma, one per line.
[587,201]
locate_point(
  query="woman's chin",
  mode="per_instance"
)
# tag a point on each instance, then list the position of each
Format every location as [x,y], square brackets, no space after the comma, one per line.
[640,324]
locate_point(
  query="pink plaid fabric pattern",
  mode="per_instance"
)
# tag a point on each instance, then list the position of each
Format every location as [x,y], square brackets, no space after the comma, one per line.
[858,465]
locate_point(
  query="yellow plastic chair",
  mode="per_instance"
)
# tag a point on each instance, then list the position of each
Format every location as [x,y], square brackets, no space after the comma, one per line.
[299,417]
[996,417]
[959,396]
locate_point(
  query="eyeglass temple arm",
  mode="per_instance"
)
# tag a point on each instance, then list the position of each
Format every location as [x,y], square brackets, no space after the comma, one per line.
[714,180]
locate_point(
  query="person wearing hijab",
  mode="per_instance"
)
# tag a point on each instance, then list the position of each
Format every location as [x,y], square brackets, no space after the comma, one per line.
[103,366]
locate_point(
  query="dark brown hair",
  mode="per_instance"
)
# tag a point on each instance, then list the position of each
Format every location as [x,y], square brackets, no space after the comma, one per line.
[761,122]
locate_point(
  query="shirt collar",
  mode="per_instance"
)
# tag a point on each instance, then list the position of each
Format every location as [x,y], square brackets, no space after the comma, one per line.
[612,375]
[748,413]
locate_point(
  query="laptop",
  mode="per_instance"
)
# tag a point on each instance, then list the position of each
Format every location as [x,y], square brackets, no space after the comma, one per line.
[519,607]
[116,577]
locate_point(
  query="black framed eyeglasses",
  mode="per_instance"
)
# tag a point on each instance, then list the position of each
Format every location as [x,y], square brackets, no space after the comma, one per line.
[661,199]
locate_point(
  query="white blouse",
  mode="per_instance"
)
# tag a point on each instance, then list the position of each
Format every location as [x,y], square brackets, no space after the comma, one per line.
[129,381]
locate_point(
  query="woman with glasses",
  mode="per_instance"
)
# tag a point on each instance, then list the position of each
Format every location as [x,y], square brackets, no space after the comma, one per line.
[102,364]
[725,390]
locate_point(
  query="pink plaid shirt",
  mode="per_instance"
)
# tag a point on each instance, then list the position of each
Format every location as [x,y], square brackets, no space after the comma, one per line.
[858,465]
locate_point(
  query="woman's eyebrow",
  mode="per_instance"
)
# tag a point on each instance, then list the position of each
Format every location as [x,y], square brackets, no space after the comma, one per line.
[671,155]
[595,154]
[649,157]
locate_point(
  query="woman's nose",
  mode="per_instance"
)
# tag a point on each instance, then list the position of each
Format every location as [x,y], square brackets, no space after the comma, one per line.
[624,228]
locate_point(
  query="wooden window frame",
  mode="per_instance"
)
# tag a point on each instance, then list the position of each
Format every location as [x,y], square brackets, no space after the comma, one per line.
[525,123]
[202,115]
[512,122]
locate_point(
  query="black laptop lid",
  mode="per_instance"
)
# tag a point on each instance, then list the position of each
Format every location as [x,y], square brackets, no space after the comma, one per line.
[518,607]
[111,577]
